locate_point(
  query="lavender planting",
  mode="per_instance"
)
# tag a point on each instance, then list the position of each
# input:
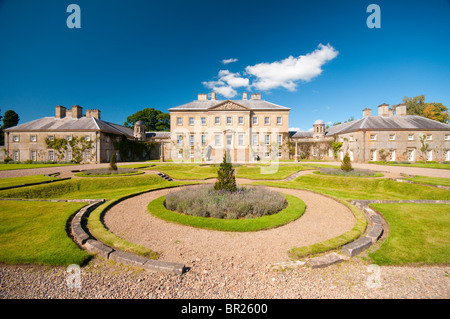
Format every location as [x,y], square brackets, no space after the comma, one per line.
[246,202]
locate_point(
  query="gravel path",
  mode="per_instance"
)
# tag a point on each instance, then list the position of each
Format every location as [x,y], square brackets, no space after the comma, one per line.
[323,219]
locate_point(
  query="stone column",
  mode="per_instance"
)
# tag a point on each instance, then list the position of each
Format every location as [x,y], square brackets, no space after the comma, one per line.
[296,151]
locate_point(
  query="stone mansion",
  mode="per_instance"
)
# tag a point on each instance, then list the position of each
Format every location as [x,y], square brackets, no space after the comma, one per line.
[251,128]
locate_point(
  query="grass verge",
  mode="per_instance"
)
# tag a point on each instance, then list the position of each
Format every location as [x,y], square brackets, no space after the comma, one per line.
[35,233]
[430,180]
[16,181]
[418,234]
[11,166]
[336,242]
[295,209]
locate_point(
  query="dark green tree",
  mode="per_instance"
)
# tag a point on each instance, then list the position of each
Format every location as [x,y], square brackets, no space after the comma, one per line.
[346,164]
[10,119]
[154,120]
[415,105]
[225,176]
[112,163]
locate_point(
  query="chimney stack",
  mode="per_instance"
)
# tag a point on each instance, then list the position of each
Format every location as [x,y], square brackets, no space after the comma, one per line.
[213,95]
[383,110]
[367,112]
[95,113]
[77,111]
[60,112]
[256,96]
[202,97]
[400,110]
[244,96]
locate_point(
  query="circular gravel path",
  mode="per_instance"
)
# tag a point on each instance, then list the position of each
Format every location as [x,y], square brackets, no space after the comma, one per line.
[323,219]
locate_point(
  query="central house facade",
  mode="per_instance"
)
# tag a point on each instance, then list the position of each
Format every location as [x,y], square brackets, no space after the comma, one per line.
[251,129]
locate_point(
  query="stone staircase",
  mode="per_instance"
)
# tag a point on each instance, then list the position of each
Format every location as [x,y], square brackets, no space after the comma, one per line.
[166,177]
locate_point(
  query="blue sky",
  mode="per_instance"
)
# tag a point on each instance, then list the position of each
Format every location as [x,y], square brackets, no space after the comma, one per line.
[133,54]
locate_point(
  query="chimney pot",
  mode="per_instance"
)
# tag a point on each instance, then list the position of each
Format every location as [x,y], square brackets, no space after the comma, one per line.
[213,95]
[202,97]
[367,112]
[95,113]
[244,96]
[400,110]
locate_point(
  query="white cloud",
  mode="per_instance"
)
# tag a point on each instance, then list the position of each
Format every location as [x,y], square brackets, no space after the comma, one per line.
[311,129]
[226,83]
[294,129]
[286,72]
[226,61]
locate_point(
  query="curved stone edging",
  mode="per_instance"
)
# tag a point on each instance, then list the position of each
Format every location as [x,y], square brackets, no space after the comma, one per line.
[85,240]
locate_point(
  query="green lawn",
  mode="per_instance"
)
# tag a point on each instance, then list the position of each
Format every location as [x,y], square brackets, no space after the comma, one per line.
[423,165]
[188,171]
[268,172]
[418,234]
[295,209]
[430,180]
[7,167]
[35,233]
[15,181]
[362,188]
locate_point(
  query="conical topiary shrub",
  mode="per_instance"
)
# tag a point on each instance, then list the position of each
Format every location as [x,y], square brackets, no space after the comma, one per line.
[225,176]
[112,163]
[346,163]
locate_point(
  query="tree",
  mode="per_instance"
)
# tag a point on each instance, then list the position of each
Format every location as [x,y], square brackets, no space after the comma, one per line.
[154,120]
[225,176]
[112,163]
[10,119]
[414,105]
[346,164]
[437,112]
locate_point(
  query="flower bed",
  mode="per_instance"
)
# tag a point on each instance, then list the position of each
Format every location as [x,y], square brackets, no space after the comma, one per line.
[204,201]
[356,172]
[101,172]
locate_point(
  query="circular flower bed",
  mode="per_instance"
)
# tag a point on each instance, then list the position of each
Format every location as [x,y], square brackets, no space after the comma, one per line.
[247,203]
[356,172]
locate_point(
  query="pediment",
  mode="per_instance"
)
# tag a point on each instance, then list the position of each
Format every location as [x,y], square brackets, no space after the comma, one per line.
[228,106]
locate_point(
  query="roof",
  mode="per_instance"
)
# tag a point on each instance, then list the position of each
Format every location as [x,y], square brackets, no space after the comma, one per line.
[396,122]
[67,124]
[319,122]
[156,135]
[302,134]
[198,105]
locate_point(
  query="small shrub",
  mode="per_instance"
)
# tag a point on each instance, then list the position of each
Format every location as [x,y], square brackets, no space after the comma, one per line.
[225,175]
[112,163]
[346,163]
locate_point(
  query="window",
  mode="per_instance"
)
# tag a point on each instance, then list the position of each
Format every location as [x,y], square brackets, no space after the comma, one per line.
[229,140]
[373,155]
[411,137]
[315,152]
[217,120]
[350,153]
[87,156]
[179,139]
[16,156]
[279,121]
[391,137]
[429,137]
[191,139]
[241,139]
[87,138]
[255,139]
[51,156]
[228,120]
[203,120]
[180,154]
[447,137]
[16,138]
[411,155]
[429,155]
[69,137]
[255,120]
[279,139]
[267,139]
[267,154]
[217,140]
[447,155]
[179,121]
[51,138]
[191,121]
[373,137]
[33,138]
[392,155]
[69,155]
[266,120]
[351,138]
[203,140]
[33,155]
[279,154]
[241,120]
